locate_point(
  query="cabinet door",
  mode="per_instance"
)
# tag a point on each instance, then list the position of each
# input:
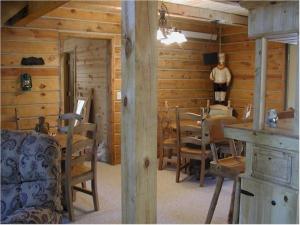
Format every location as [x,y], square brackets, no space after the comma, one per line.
[264,202]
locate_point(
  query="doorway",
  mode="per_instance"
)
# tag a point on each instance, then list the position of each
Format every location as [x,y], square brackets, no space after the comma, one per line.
[86,74]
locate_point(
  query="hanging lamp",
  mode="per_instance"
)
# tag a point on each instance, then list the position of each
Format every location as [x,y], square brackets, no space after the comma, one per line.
[165,33]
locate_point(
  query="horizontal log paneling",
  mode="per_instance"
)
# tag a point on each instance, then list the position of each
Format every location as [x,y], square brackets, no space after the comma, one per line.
[43,99]
[8,112]
[37,85]
[240,59]
[85,26]
[14,73]
[26,47]
[79,14]
[29,123]
[19,34]
[15,59]
[8,99]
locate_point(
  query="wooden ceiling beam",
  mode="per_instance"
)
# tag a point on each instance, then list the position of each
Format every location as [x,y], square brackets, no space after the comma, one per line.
[31,11]
[10,9]
[197,13]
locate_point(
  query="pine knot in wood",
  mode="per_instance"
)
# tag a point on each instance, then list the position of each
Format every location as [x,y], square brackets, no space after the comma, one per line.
[146,163]
[128,45]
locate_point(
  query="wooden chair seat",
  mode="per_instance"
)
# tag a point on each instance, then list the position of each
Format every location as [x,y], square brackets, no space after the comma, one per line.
[194,151]
[78,170]
[228,167]
[169,141]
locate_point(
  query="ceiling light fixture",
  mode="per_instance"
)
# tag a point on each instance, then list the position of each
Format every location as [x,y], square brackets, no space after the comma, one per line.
[167,34]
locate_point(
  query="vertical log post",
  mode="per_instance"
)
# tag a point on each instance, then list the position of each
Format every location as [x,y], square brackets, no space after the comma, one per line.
[260,83]
[139,111]
[296,115]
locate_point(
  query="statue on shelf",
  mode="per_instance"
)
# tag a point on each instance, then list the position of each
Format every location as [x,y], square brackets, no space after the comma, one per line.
[42,126]
[221,77]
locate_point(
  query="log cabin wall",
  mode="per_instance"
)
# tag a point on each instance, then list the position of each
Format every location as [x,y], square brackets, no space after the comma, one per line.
[183,79]
[240,58]
[43,99]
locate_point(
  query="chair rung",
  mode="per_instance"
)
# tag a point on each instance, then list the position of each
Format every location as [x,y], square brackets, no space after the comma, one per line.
[83,190]
[81,178]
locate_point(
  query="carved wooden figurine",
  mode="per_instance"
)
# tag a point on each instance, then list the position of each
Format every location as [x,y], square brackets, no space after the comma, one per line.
[221,77]
[42,126]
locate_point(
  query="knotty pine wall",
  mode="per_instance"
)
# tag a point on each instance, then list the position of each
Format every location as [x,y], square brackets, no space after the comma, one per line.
[44,97]
[240,59]
[183,79]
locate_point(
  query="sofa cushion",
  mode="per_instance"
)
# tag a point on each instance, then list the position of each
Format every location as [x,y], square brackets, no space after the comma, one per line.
[11,142]
[10,199]
[40,158]
[41,193]
[33,215]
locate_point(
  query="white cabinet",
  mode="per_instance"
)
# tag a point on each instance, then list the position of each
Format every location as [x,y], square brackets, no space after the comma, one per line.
[270,184]
[265,202]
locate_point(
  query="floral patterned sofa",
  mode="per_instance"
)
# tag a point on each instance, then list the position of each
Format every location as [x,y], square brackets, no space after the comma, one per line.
[30,178]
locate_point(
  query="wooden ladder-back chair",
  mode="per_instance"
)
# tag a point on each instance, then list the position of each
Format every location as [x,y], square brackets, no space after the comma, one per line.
[167,141]
[219,110]
[229,167]
[80,161]
[189,145]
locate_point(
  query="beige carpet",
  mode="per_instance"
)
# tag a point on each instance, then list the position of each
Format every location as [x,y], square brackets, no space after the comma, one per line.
[184,202]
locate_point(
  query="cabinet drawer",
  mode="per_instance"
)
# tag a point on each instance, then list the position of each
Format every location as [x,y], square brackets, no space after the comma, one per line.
[272,165]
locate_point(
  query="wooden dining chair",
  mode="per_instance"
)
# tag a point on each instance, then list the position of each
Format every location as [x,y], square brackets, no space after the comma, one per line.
[80,161]
[219,110]
[190,144]
[166,138]
[229,167]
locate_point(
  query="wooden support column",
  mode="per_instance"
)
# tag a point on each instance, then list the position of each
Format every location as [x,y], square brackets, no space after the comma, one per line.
[261,47]
[139,111]
[296,115]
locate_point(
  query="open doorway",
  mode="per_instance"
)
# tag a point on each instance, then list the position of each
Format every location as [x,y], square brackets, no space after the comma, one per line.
[86,75]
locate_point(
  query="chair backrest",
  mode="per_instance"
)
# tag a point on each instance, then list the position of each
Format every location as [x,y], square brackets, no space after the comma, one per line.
[80,148]
[221,110]
[215,126]
[214,131]
[187,129]
[164,122]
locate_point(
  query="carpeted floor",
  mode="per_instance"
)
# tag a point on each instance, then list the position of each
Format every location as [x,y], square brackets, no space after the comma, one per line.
[183,202]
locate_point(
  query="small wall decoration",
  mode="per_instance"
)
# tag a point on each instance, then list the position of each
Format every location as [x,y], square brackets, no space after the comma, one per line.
[42,126]
[26,82]
[32,61]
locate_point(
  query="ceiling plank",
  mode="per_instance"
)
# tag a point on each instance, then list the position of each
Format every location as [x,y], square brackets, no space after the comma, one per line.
[196,13]
[37,9]
[175,11]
